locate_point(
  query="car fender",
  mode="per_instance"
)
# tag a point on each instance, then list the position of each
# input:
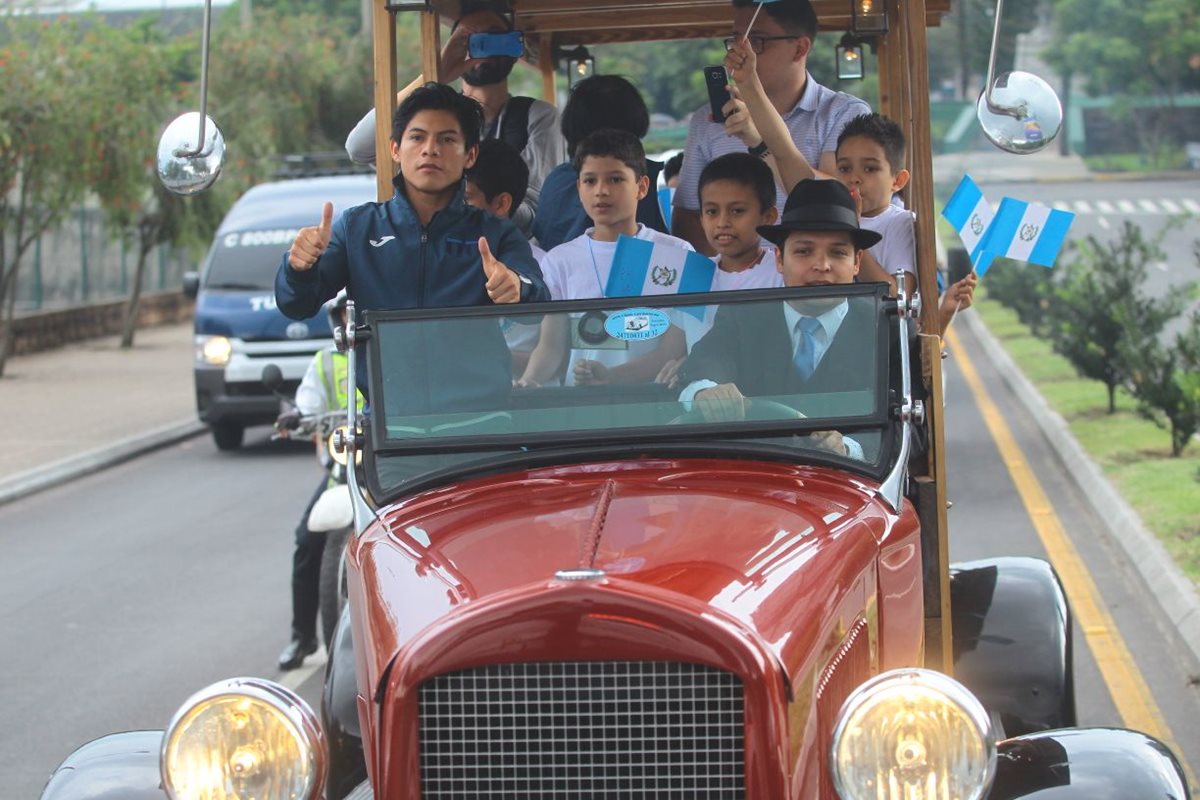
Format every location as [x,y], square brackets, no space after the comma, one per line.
[1012,642]
[120,766]
[1091,763]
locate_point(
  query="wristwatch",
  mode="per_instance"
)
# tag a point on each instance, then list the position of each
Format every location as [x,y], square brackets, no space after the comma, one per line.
[759,150]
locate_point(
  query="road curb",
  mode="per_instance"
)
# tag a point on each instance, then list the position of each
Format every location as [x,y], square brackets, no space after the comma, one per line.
[1171,589]
[50,475]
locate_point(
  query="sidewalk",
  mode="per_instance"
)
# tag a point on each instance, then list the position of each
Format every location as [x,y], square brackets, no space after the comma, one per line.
[68,409]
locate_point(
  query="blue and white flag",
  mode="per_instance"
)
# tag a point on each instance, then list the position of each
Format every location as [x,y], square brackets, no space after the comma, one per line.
[969,213]
[1027,232]
[642,268]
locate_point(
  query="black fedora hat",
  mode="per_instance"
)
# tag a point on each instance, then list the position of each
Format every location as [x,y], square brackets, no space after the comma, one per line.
[819,205]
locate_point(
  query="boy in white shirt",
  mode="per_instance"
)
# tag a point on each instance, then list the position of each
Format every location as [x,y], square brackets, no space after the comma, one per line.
[612,179]
[736,194]
[870,158]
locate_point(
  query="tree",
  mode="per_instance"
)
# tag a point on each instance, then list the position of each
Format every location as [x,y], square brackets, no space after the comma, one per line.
[1166,382]
[1101,312]
[959,47]
[1026,289]
[668,74]
[47,140]
[1134,50]
[131,82]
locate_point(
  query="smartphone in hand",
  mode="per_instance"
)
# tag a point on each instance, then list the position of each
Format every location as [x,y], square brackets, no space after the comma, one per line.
[490,45]
[717,81]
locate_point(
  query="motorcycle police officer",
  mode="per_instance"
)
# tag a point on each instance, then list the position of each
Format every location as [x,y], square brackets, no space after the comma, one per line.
[322,390]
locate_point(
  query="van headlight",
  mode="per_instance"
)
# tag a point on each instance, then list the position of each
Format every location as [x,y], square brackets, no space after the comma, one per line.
[213,350]
[240,739]
[912,734]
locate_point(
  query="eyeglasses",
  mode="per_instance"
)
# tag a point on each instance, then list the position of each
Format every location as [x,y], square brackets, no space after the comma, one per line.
[757,43]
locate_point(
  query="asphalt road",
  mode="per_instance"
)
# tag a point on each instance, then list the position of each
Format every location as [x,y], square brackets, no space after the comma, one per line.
[125,592]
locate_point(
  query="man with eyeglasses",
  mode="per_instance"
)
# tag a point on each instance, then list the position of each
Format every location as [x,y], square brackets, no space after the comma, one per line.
[781,38]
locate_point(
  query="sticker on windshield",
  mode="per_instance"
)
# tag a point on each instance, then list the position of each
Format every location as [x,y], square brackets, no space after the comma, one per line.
[637,324]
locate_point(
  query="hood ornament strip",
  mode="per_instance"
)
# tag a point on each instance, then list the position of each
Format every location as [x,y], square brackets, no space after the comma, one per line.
[589,545]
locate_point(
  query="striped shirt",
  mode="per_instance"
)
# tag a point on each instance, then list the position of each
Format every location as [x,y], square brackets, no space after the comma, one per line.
[815,124]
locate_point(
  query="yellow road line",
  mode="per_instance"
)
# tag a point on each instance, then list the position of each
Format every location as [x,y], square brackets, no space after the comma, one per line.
[1129,691]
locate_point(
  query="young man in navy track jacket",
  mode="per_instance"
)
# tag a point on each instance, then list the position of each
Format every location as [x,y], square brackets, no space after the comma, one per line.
[423,248]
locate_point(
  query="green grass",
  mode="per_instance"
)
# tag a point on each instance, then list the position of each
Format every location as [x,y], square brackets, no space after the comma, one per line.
[1133,452]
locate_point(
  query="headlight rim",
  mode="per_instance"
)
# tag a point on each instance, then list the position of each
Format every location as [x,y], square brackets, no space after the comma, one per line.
[279,697]
[951,689]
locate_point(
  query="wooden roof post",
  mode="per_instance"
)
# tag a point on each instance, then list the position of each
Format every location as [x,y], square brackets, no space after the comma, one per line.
[383,26]
[546,62]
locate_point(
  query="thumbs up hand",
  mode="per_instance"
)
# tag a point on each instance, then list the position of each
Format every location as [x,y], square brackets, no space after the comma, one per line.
[311,242]
[503,285]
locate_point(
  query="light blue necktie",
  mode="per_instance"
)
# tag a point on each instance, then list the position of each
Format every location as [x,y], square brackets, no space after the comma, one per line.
[806,350]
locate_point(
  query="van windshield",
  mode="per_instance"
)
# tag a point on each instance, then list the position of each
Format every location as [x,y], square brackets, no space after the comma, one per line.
[247,259]
[443,395]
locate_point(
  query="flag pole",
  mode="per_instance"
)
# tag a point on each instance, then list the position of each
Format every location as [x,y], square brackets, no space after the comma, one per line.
[746,35]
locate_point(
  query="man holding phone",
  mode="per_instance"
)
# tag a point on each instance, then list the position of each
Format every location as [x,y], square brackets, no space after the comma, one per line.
[782,37]
[482,49]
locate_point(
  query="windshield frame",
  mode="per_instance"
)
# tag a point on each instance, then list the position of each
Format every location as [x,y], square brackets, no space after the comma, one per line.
[642,436]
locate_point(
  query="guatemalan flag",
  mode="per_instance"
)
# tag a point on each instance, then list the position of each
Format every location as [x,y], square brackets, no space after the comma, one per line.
[970,214]
[1026,232]
[641,268]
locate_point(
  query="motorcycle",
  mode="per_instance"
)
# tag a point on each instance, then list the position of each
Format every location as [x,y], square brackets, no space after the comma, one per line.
[332,514]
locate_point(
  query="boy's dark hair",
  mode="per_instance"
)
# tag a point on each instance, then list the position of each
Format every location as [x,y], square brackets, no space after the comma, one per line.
[672,167]
[612,143]
[881,130]
[794,16]
[500,168]
[440,97]
[603,101]
[750,171]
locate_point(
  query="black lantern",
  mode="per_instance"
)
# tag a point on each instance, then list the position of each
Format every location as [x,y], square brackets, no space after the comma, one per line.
[868,18]
[849,59]
[580,65]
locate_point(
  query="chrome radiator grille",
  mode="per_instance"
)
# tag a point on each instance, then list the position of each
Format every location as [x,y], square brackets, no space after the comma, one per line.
[595,729]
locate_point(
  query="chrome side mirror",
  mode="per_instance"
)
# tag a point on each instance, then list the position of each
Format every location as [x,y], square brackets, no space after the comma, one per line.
[1018,111]
[190,153]
[192,149]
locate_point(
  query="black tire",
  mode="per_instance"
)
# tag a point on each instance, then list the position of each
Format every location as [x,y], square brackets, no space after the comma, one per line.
[228,435]
[331,595]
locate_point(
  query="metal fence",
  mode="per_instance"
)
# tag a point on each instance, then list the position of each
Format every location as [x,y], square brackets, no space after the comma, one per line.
[85,261]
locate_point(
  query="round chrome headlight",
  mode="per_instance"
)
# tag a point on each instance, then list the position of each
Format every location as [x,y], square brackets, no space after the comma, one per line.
[241,739]
[912,734]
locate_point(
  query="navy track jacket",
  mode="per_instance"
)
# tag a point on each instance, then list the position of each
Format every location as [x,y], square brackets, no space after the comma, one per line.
[387,260]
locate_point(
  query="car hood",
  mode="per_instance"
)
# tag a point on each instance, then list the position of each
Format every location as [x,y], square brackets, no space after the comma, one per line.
[774,550]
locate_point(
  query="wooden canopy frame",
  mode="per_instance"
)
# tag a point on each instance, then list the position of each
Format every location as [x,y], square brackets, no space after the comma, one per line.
[550,25]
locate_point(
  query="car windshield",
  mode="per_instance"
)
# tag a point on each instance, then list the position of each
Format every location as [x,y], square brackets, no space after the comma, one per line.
[247,259]
[801,373]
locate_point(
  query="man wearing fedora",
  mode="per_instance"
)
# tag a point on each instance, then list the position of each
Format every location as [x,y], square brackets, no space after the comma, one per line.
[802,345]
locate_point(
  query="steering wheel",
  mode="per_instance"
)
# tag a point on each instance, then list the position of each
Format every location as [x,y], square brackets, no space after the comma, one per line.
[759,409]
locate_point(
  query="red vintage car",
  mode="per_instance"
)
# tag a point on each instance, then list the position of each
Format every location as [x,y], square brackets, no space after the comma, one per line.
[607,591]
